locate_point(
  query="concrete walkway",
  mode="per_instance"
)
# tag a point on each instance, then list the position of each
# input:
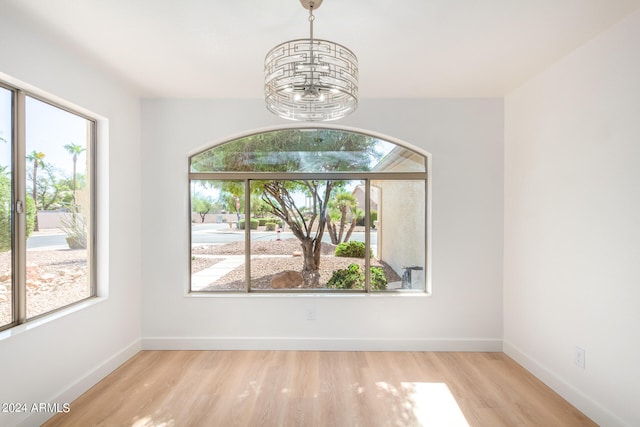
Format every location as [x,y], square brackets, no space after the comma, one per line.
[209,276]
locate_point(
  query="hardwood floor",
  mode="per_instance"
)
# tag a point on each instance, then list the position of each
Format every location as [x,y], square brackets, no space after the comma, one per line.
[310,388]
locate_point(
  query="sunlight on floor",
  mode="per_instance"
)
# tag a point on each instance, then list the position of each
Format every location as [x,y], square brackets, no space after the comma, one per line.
[150,422]
[432,404]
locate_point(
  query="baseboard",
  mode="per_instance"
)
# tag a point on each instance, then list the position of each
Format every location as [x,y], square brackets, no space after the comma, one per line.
[321,344]
[86,382]
[592,409]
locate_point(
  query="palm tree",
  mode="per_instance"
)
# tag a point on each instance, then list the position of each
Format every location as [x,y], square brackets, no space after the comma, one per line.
[342,207]
[36,157]
[75,150]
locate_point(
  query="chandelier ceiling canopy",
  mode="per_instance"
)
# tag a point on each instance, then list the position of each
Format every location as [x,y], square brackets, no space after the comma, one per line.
[311,79]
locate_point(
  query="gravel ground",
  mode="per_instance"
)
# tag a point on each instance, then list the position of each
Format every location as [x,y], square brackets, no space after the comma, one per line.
[262,269]
[54,279]
[199,264]
[260,247]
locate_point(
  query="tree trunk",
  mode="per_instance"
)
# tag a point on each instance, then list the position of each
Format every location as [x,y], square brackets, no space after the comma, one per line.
[343,221]
[351,228]
[311,255]
[331,229]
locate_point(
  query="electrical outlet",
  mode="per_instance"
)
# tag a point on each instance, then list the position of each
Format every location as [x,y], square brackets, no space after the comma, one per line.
[579,357]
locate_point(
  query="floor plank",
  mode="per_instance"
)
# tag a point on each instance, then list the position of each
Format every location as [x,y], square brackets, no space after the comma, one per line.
[310,388]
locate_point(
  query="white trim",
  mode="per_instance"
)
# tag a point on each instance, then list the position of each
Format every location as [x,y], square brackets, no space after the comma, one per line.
[598,413]
[320,344]
[84,383]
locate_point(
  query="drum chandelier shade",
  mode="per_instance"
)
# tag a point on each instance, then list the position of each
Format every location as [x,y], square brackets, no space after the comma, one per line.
[311,79]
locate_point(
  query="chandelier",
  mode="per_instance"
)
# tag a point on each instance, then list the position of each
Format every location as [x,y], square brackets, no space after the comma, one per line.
[311,79]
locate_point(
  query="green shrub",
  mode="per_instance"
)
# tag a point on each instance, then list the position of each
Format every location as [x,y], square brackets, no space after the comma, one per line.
[378,279]
[373,216]
[347,278]
[253,224]
[270,226]
[5,213]
[350,250]
[352,277]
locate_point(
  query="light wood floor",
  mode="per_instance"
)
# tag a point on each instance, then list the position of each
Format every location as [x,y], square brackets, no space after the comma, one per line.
[310,388]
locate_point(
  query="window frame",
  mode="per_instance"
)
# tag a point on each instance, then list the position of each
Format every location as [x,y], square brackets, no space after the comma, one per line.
[19,195]
[366,176]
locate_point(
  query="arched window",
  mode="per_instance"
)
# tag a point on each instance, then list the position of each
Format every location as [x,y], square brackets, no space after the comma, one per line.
[308,210]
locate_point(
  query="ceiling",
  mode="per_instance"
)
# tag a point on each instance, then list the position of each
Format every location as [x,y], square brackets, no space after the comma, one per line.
[406,48]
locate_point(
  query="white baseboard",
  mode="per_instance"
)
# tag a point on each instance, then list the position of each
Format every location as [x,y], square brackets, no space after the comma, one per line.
[86,382]
[599,414]
[321,344]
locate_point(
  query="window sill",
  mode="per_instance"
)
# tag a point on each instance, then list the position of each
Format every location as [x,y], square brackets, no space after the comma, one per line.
[402,294]
[50,317]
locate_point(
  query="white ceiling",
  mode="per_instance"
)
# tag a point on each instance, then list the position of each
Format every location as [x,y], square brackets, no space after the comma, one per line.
[406,48]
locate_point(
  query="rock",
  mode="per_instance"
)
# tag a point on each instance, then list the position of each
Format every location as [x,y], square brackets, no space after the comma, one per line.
[297,253]
[287,279]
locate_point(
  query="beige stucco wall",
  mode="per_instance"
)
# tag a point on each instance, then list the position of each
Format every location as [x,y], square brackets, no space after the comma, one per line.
[401,224]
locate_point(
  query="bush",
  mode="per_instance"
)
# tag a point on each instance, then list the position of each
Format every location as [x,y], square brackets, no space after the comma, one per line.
[270,226]
[253,224]
[347,278]
[75,227]
[5,214]
[350,250]
[378,279]
[352,277]
[373,216]
[265,221]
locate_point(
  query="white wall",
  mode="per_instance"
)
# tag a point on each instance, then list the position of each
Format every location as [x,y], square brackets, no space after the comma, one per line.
[465,138]
[53,360]
[572,225]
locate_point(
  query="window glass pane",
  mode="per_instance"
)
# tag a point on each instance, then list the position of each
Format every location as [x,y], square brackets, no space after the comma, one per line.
[400,238]
[58,188]
[217,235]
[6,216]
[321,240]
[308,150]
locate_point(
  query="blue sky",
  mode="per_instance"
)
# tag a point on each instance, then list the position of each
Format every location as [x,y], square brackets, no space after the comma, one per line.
[48,130]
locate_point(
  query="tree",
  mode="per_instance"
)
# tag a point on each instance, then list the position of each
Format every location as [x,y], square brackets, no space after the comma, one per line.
[232,197]
[202,205]
[74,150]
[37,158]
[342,208]
[6,211]
[277,195]
[293,150]
[53,192]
